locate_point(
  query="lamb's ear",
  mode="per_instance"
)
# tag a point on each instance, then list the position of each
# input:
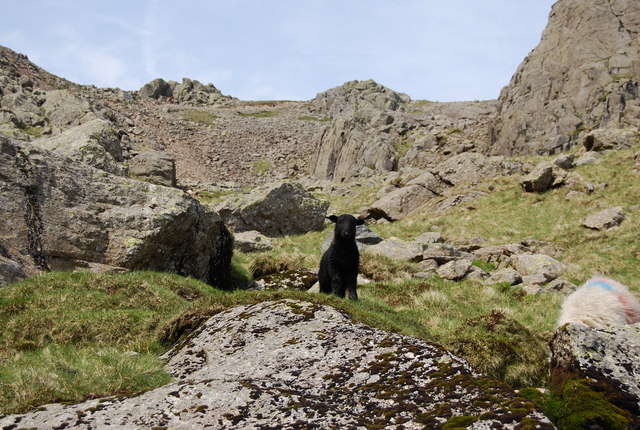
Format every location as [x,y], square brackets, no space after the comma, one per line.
[332,218]
[359,221]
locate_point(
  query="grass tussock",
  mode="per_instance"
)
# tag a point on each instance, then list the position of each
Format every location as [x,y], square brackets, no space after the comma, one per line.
[266,264]
[380,268]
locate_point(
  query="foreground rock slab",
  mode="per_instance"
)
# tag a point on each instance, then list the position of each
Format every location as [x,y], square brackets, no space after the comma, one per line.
[292,364]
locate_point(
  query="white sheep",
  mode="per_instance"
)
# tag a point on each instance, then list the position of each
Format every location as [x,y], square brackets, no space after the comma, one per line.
[599,303]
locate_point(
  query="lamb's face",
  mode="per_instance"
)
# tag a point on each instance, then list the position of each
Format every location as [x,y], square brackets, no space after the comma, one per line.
[345,226]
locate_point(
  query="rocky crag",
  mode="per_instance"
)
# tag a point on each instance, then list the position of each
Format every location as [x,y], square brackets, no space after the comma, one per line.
[583,75]
[292,364]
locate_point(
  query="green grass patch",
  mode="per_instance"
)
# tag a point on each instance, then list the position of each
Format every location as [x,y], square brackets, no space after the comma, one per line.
[261,114]
[261,165]
[200,116]
[209,197]
[314,118]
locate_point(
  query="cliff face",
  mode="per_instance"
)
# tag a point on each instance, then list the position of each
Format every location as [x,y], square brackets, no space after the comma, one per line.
[583,75]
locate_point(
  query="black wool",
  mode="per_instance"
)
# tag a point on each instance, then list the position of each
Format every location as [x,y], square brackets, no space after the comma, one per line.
[339,264]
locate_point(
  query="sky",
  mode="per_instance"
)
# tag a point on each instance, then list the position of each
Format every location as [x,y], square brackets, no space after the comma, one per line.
[439,50]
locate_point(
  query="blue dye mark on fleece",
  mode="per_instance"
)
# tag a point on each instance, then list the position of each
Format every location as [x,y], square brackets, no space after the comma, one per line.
[601,284]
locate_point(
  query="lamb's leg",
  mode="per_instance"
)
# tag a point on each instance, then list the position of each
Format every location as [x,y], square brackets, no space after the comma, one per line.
[353,284]
[336,286]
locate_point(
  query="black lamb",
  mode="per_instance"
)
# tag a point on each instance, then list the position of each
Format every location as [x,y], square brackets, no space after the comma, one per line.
[339,264]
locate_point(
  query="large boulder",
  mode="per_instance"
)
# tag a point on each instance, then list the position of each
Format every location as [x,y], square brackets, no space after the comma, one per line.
[539,179]
[400,203]
[292,364]
[60,214]
[10,271]
[611,138]
[608,359]
[277,209]
[95,143]
[583,75]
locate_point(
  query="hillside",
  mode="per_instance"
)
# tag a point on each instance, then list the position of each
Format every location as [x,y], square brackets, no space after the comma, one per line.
[146,235]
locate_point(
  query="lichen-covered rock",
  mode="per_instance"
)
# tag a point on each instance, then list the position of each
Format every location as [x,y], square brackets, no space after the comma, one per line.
[507,275]
[398,250]
[157,167]
[444,252]
[292,364]
[455,270]
[276,209]
[59,214]
[608,358]
[539,267]
[251,241]
[605,219]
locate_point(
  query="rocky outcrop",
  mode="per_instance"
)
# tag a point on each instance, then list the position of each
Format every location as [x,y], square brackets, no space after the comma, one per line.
[276,209]
[583,75]
[188,92]
[362,133]
[606,358]
[292,364]
[61,214]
